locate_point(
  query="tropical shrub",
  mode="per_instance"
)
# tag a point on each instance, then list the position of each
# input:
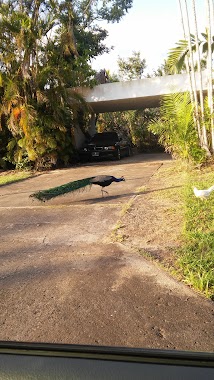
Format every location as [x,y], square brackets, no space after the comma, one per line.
[175,128]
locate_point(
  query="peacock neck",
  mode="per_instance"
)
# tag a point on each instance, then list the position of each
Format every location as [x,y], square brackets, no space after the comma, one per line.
[118,179]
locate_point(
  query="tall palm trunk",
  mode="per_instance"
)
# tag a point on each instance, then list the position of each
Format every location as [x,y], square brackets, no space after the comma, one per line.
[197,115]
[204,132]
[210,17]
[193,97]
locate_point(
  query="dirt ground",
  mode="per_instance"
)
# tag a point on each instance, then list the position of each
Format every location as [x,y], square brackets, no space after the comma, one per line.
[72,270]
[154,219]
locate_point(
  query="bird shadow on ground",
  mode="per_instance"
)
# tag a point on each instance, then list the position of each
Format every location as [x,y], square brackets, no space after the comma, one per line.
[156,190]
[108,198]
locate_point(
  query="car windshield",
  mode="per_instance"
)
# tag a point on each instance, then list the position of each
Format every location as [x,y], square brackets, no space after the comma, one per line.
[109,137]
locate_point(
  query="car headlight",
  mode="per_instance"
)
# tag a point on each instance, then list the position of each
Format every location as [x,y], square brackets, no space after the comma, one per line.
[85,149]
[109,147]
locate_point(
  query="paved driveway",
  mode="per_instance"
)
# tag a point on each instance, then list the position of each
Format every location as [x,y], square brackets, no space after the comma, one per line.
[63,280]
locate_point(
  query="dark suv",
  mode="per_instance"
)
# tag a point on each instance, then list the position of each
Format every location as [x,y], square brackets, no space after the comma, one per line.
[106,144]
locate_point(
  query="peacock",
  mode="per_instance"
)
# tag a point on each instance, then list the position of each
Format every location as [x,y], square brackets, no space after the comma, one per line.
[101,180]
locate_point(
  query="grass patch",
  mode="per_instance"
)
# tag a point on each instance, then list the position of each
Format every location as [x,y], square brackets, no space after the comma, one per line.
[172,194]
[6,179]
[193,262]
[196,256]
[170,181]
[116,234]
[173,173]
[141,189]
[126,207]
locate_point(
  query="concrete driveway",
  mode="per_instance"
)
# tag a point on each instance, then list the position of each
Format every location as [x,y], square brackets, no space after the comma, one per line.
[62,280]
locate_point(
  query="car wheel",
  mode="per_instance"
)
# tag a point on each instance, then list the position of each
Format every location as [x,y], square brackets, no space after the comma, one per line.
[129,152]
[118,154]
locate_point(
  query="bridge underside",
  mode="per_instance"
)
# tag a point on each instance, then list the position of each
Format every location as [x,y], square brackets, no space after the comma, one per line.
[137,94]
[125,104]
[128,104]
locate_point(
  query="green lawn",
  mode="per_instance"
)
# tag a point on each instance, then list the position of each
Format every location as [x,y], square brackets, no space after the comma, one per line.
[196,256]
[194,259]
[10,177]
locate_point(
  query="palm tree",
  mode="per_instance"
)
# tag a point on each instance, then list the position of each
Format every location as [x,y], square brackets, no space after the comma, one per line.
[177,54]
[204,132]
[196,107]
[193,93]
[210,16]
[185,51]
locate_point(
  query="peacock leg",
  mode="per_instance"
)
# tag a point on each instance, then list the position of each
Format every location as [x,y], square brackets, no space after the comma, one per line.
[104,191]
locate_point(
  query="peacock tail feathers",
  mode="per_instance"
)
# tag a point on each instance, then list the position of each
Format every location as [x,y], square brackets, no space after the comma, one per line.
[45,195]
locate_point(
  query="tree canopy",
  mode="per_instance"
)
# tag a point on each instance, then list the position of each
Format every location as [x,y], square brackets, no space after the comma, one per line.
[45,48]
[131,68]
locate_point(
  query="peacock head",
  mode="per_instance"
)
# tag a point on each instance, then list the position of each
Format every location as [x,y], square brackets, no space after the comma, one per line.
[118,179]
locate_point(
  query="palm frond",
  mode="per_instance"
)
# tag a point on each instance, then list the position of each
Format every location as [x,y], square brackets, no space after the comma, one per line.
[177,55]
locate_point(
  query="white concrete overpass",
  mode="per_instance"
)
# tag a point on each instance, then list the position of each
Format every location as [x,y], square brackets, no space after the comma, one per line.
[136,94]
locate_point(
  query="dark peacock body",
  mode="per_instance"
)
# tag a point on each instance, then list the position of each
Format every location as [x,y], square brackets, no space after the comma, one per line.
[101,180]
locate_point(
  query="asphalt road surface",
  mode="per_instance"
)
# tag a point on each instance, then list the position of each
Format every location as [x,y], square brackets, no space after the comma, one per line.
[62,280]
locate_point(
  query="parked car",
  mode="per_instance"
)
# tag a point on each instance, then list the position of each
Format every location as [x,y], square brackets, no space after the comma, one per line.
[105,145]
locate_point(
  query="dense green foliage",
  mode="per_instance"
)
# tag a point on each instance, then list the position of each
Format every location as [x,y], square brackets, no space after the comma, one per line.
[133,125]
[45,48]
[196,256]
[176,130]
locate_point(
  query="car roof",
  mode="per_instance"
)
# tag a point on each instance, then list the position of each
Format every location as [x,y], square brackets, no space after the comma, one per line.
[105,137]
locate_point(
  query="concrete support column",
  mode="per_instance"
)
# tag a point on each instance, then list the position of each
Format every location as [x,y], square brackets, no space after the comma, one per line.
[79,137]
[92,128]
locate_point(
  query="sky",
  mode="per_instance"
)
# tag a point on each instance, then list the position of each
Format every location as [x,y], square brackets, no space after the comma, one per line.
[151,27]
